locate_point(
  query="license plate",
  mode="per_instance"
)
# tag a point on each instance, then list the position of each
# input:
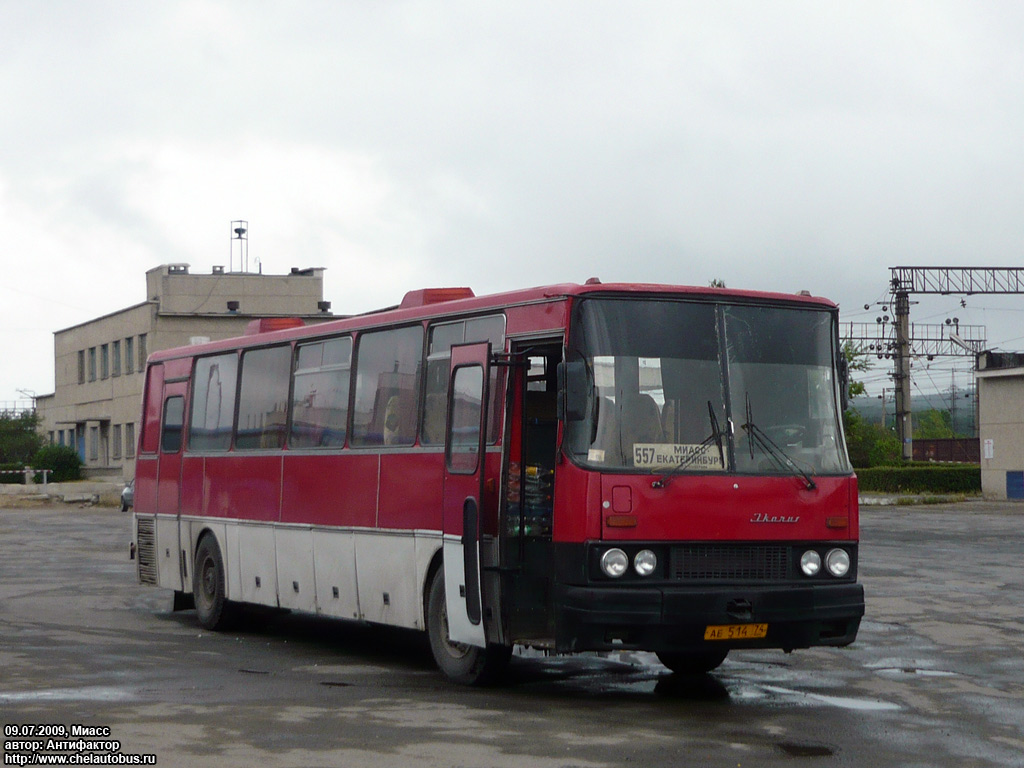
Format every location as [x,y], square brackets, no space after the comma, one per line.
[735,631]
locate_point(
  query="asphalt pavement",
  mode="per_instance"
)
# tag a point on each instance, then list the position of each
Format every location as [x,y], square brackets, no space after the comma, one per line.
[936,677]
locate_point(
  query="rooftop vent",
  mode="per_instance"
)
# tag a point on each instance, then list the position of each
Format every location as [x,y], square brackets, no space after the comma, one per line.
[177,269]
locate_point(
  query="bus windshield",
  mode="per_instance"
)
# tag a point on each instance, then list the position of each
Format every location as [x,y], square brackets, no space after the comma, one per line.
[684,386]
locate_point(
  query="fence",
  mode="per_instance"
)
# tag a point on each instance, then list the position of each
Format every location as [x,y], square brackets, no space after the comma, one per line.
[957,449]
[29,474]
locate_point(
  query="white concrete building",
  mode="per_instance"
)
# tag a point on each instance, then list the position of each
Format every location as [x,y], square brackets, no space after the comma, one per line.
[99,365]
[1001,424]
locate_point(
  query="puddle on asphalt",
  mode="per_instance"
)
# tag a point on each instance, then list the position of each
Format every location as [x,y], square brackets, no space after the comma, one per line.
[641,674]
[842,702]
[89,693]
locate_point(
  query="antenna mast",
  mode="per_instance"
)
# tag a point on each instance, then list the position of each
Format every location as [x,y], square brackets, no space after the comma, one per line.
[239,246]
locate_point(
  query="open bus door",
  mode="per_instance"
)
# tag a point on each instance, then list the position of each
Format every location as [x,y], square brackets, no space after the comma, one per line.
[465,441]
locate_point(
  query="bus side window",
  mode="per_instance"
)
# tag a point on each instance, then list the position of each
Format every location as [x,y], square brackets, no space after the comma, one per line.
[442,337]
[213,402]
[387,387]
[320,394]
[262,407]
[174,418]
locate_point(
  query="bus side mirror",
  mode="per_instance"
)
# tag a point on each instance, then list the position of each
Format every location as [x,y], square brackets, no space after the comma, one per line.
[573,390]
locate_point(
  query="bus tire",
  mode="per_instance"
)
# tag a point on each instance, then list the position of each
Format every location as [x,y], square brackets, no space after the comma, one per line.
[462,663]
[208,589]
[692,662]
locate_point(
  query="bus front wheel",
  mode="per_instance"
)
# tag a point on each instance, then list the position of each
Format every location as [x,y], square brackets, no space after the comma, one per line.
[212,607]
[692,662]
[462,663]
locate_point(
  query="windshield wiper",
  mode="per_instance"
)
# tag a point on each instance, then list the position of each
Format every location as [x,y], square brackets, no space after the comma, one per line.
[715,437]
[781,458]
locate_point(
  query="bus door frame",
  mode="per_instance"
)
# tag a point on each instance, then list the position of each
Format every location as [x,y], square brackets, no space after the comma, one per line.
[169,472]
[463,502]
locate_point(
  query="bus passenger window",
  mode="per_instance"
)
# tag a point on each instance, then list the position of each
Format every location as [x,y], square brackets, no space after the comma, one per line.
[320,396]
[387,387]
[442,337]
[262,409]
[213,403]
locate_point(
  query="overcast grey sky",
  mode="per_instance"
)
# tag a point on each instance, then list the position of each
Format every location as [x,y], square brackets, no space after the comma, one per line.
[773,145]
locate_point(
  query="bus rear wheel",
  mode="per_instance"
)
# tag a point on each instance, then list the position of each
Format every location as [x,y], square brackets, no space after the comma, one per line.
[212,607]
[465,664]
[692,662]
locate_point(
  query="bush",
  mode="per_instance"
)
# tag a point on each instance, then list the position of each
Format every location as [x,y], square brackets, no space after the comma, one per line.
[63,460]
[935,478]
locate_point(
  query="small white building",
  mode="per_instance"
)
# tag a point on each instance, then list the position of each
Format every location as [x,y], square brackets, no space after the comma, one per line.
[99,365]
[1000,378]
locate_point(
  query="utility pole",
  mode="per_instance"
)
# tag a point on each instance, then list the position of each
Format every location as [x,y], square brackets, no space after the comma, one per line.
[943,281]
[904,425]
[900,340]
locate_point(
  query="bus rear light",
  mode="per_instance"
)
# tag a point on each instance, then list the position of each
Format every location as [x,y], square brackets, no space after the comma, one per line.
[620,521]
[614,563]
[839,521]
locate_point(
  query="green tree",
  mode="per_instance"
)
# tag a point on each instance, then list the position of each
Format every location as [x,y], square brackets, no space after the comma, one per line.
[933,424]
[19,439]
[869,444]
[856,360]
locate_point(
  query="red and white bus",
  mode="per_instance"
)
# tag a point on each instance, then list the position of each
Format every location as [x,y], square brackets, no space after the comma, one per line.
[575,468]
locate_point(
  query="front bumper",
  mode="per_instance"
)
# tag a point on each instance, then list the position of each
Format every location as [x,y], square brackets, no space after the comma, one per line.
[671,618]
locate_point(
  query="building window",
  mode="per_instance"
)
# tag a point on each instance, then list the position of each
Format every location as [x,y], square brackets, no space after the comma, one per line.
[94,443]
[105,361]
[117,441]
[81,366]
[129,441]
[52,438]
[142,352]
[129,354]
[60,437]
[92,363]
[115,349]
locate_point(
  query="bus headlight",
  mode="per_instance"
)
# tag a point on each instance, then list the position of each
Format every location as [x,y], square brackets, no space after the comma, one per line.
[810,563]
[614,563]
[645,562]
[838,562]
